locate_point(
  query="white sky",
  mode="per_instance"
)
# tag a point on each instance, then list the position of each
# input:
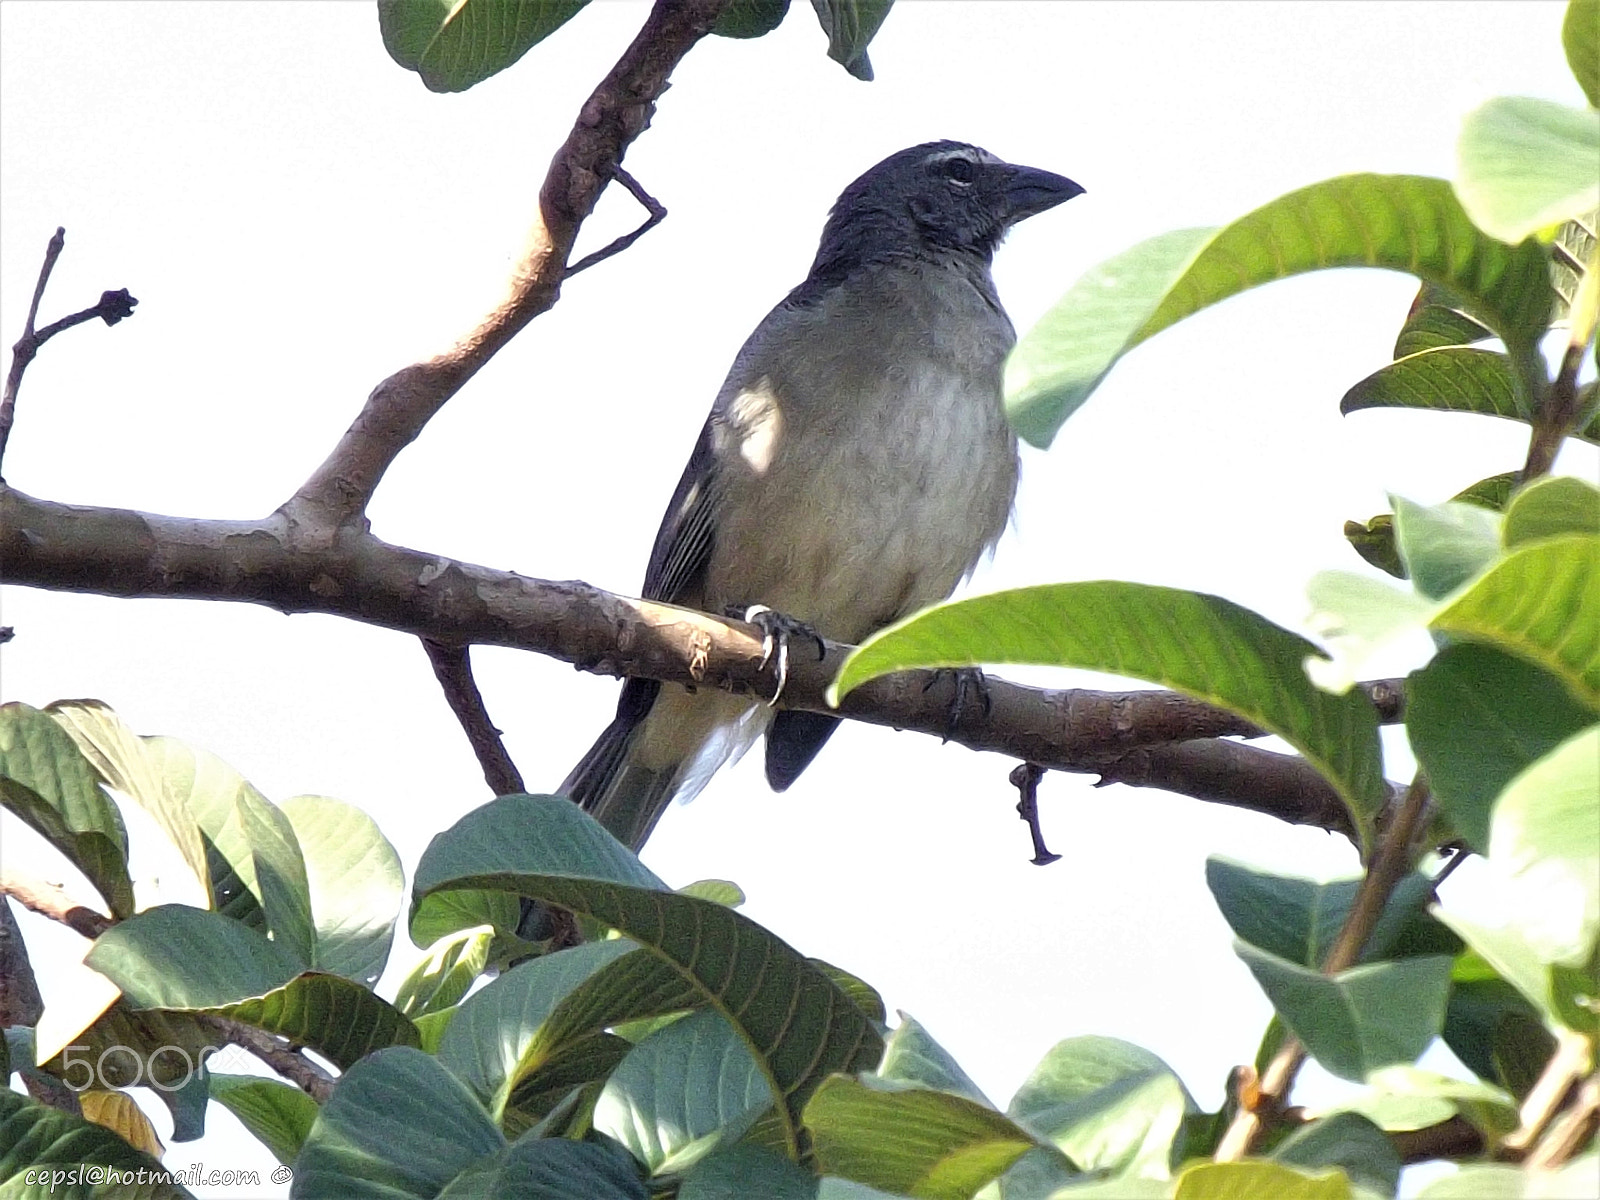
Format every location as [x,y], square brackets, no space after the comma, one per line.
[299,217]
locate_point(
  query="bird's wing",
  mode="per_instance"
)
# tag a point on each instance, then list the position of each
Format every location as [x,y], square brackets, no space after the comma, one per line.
[683,543]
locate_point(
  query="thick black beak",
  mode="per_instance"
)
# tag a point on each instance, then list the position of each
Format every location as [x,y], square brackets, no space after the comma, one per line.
[1030,192]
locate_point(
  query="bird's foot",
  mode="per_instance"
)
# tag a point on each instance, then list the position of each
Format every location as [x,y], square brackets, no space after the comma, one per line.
[969,681]
[776,631]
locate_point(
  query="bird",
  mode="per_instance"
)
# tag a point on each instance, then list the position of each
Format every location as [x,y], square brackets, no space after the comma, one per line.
[856,465]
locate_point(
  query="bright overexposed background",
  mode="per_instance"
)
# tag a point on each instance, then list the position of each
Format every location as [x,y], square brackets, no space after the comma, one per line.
[299,217]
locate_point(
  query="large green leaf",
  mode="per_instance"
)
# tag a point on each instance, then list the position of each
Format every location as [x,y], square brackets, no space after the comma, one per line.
[356,885]
[279,1116]
[930,1145]
[444,974]
[498,1036]
[1476,716]
[35,1137]
[280,870]
[1399,222]
[1580,37]
[1405,1098]
[398,1125]
[1435,320]
[744,1171]
[1106,1104]
[1544,856]
[1444,545]
[850,26]
[1347,1141]
[1552,507]
[335,1016]
[174,956]
[798,1024]
[1361,1019]
[45,780]
[1450,379]
[453,44]
[1203,645]
[1541,602]
[546,1168]
[682,1092]
[911,1056]
[1493,1029]
[126,762]
[1524,165]
[225,807]
[1258,1180]
[1298,919]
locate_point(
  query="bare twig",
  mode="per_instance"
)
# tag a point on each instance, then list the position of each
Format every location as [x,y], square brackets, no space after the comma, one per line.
[1571,1131]
[1571,1061]
[50,900]
[111,308]
[1025,778]
[274,1051]
[452,666]
[1393,857]
[397,410]
[652,206]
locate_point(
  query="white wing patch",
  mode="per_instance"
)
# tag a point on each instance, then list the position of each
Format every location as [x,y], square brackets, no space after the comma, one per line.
[757,424]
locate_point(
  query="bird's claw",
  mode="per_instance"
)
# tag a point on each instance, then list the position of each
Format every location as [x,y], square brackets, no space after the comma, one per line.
[776,630]
[967,680]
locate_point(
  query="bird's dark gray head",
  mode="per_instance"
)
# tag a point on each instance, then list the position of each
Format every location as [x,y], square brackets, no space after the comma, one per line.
[937,199]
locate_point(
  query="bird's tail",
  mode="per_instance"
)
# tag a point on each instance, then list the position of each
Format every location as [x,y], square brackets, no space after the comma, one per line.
[664,744]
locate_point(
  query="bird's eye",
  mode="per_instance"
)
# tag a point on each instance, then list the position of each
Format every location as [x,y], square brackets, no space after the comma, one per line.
[959,170]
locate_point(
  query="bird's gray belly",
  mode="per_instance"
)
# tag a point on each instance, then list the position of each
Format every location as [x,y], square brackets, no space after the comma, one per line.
[852,527]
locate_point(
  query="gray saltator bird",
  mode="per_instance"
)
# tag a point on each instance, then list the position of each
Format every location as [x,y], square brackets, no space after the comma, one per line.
[855,467]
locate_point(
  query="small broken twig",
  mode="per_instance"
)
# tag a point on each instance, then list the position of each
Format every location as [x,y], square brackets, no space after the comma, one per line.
[1026,778]
[651,205]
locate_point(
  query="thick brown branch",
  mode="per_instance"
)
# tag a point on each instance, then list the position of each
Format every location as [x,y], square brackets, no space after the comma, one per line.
[277,1054]
[51,901]
[616,113]
[116,552]
[452,666]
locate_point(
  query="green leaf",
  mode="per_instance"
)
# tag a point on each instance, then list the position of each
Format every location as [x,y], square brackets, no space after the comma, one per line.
[1203,645]
[1361,1019]
[126,762]
[1552,507]
[397,1125]
[750,18]
[446,913]
[356,885]
[799,1026]
[850,26]
[1492,493]
[499,1035]
[1347,1141]
[1450,379]
[1356,616]
[682,1092]
[35,1136]
[174,956]
[1543,854]
[863,993]
[1374,541]
[1257,1180]
[453,44]
[1298,919]
[1444,545]
[1398,222]
[1493,1029]
[744,1171]
[45,780]
[1435,320]
[1580,37]
[911,1056]
[280,870]
[279,1116]
[220,801]
[1475,717]
[1108,1105]
[445,972]
[1526,165]
[335,1016]
[719,891]
[538,1168]
[929,1145]
[1406,1098]
[1542,601]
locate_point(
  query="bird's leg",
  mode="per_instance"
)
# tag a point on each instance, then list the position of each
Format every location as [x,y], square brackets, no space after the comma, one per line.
[776,630]
[968,681]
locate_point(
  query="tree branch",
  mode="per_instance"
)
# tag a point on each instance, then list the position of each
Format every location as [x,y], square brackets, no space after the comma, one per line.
[117,552]
[49,900]
[615,114]
[452,666]
[276,1053]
